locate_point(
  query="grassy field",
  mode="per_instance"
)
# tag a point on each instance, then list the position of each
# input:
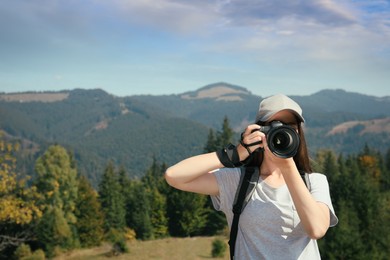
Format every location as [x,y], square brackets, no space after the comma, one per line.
[169,248]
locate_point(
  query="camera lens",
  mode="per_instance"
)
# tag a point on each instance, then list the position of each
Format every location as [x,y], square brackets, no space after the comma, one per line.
[283,141]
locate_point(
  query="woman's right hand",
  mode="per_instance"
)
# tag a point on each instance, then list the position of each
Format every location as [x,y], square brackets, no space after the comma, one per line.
[252,138]
[193,174]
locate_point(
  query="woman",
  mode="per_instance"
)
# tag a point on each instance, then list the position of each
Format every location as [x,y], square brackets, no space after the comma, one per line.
[284,218]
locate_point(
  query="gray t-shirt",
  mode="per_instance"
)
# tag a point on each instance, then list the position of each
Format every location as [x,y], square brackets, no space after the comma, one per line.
[269,226]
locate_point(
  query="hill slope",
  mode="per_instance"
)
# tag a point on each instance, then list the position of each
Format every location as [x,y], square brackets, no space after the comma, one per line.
[131,131]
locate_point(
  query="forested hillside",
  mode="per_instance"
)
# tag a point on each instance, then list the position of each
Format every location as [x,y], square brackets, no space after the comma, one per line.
[60,210]
[97,127]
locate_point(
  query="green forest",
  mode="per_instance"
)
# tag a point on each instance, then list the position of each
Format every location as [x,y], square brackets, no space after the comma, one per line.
[59,210]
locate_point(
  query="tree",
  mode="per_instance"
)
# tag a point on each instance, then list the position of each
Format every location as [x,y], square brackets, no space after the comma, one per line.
[216,220]
[154,177]
[386,172]
[57,183]
[186,213]
[18,202]
[225,136]
[344,241]
[112,199]
[53,231]
[57,180]
[158,217]
[363,209]
[155,188]
[211,144]
[373,207]
[89,215]
[138,210]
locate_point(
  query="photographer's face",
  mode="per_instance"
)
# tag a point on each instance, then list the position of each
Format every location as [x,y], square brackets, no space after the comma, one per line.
[286,117]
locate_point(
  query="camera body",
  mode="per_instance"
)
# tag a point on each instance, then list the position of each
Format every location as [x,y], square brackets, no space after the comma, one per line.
[282,139]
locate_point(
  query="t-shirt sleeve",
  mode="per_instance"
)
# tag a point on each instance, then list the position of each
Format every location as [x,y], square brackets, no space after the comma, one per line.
[227,179]
[319,188]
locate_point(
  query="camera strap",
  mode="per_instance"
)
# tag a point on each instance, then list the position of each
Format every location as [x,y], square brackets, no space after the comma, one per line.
[248,181]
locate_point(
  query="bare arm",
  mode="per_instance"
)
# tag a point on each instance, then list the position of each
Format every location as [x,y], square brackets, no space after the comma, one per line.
[193,174]
[314,215]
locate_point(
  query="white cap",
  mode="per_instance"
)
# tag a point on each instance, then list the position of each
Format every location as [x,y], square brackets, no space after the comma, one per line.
[273,104]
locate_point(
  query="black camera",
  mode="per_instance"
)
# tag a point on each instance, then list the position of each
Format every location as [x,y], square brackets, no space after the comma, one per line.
[282,139]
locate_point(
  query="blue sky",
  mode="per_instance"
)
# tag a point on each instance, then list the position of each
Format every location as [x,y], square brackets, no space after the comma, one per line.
[130,47]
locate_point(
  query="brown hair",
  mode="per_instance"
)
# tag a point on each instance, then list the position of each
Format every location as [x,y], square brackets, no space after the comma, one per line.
[301,159]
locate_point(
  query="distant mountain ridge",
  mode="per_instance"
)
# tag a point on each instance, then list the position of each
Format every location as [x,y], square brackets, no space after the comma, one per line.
[219,92]
[341,100]
[132,130]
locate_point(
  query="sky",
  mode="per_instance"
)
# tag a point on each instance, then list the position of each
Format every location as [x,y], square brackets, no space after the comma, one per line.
[158,47]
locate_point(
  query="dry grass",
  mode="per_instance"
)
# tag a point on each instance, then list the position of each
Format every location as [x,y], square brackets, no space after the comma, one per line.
[169,248]
[30,97]
[369,126]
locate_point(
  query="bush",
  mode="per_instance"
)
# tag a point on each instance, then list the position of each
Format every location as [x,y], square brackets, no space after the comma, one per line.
[118,240]
[22,251]
[37,255]
[130,234]
[218,248]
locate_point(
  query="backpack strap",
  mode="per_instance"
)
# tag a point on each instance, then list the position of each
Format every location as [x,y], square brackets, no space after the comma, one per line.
[248,181]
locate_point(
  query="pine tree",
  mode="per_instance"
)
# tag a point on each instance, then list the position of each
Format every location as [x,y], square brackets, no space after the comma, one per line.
[386,172]
[155,186]
[138,210]
[211,144]
[154,177]
[57,182]
[216,220]
[344,241]
[137,205]
[225,136]
[158,218]
[54,231]
[363,210]
[89,215]
[186,213]
[331,170]
[112,200]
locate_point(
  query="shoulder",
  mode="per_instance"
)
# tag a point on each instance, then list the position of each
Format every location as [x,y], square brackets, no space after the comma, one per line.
[318,181]
[227,176]
[227,180]
[315,176]
[320,191]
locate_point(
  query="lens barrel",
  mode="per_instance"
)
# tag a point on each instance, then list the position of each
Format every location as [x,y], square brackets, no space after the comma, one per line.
[283,141]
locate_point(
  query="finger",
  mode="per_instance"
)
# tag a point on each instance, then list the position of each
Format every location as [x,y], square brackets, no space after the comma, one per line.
[250,128]
[247,136]
[253,140]
[264,144]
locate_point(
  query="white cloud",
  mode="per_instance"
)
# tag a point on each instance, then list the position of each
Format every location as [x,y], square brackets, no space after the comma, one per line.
[261,30]
[175,16]
[322,29]
[254,12]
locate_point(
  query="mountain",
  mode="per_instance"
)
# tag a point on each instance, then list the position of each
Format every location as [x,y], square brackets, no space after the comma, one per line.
[322,109]
[98,127]
[133,131]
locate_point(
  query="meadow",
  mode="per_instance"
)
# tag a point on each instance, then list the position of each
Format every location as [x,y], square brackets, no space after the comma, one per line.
[190,248]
